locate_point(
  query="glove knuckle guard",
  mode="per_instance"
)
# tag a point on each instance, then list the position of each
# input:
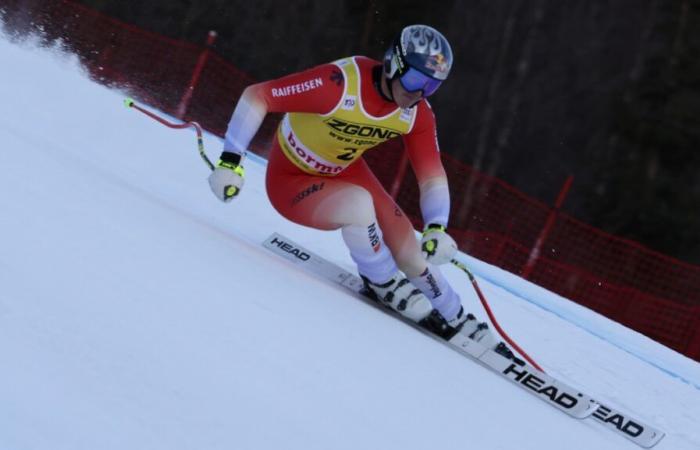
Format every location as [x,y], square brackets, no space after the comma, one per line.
[225,183]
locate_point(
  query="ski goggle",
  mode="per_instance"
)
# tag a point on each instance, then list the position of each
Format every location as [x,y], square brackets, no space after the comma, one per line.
[414,80]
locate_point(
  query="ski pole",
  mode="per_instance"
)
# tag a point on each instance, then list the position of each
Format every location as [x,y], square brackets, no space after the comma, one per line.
[492,317]
[130,103]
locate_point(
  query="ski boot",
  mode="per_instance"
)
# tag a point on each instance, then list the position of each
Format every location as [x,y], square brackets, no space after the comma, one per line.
[400,295]
[467,325]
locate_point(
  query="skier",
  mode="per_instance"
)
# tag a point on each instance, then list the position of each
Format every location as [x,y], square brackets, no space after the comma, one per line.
[316,177]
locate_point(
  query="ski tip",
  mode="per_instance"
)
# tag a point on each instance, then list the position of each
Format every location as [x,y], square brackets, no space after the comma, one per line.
[128,102]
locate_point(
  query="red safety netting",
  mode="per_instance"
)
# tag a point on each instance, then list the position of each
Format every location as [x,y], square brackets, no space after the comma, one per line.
[647,291]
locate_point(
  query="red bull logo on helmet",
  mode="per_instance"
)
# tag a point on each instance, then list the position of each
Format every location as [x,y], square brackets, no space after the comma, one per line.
[438,63]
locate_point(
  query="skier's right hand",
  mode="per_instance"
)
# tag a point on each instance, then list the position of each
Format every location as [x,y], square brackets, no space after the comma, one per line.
[227,180]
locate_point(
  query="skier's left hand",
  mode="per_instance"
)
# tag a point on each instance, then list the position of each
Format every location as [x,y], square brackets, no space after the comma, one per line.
[437,246]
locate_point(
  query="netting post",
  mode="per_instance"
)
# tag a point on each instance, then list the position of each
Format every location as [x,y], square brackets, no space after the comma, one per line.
[551,218]
[187,95]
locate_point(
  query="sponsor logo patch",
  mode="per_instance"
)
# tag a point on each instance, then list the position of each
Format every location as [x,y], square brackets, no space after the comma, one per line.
[303,156]
[346,128]
[349,102]
[406,115]
[620,422]
[539,386]
[297,88]
[438,63]
[432,283]
[292,250]
[308,191]
[337,77]
[374,237]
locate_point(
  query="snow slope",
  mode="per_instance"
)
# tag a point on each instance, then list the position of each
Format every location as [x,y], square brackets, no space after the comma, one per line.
[139,312]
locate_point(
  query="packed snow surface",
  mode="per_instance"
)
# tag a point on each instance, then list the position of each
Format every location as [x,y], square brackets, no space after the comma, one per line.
[139,312]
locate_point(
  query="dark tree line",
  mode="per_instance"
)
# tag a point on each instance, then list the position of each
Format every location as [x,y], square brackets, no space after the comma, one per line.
[606,91]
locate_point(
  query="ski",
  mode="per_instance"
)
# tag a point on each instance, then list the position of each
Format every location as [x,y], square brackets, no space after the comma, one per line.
[552,391]
[633,429]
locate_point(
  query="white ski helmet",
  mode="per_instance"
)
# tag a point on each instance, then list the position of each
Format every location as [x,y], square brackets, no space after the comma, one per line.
[422,48]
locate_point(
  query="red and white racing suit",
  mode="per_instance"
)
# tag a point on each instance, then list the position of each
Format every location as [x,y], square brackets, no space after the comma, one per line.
[316,177]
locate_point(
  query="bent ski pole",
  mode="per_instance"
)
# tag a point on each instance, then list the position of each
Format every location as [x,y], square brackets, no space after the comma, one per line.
[500,330]
[129,103]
